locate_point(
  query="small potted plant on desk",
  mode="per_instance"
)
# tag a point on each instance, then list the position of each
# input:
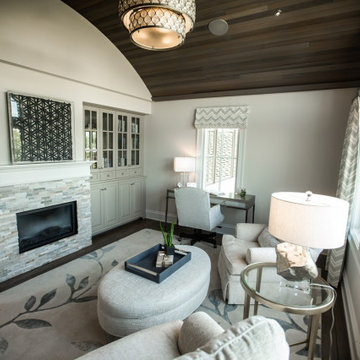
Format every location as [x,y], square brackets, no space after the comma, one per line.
[168,240]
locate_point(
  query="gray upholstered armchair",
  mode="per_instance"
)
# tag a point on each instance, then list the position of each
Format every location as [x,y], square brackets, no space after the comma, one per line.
[251,243]
[194,211]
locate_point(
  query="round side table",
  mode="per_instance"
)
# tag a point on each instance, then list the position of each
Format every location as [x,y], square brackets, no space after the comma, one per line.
[262,283]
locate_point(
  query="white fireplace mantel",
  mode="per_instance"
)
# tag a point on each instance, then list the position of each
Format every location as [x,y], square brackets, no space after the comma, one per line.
[30,173]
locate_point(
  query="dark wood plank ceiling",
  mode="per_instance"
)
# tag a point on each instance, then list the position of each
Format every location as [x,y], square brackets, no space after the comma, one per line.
[314,44]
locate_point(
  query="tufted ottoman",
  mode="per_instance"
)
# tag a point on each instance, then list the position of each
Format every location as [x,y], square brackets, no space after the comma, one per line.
[128,302]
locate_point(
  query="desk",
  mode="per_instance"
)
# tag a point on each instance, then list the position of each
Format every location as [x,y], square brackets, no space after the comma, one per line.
[232,201]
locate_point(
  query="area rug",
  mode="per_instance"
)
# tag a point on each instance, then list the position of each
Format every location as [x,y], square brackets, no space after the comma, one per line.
[53,316]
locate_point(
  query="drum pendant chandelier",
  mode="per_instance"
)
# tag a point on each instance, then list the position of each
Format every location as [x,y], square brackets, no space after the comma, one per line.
[158,24]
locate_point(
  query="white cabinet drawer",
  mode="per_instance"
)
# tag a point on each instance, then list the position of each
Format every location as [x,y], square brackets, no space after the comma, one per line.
[107,175]
[122,173]
[94,177]
[135,172]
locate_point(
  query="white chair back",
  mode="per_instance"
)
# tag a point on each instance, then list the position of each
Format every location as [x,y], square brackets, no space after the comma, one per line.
[193,208]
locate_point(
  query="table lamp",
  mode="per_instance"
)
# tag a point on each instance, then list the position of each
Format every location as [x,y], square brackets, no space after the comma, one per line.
[184,165]
[304,220]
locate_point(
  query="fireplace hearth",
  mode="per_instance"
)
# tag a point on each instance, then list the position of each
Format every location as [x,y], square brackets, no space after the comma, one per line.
[45,225]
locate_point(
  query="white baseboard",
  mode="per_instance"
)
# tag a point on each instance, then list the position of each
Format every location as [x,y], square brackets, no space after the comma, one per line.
[160,216]
[351,317]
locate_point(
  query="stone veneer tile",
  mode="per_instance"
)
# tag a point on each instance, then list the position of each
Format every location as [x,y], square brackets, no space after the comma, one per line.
[18,198]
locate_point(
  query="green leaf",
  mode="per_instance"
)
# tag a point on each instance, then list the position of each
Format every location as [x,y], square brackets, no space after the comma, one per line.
[70,280]
[163,233]
[47,297]
[32,323]
[83,283]
[3,345]
[30,303]
[85,299]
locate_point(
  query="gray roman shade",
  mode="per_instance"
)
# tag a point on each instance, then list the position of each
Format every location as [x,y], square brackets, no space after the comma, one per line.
[234,117]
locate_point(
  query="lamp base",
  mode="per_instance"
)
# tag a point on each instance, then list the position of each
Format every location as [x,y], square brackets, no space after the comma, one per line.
[294,262]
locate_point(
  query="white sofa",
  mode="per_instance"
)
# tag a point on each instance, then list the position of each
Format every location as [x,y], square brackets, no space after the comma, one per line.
[241,250]
[200,337]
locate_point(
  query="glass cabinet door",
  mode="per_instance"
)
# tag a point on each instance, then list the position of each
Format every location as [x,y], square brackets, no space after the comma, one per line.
[91,141]
[108,139]
[135,141]
[122,124]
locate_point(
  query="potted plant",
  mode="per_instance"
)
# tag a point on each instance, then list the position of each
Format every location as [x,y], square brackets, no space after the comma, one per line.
[168,239]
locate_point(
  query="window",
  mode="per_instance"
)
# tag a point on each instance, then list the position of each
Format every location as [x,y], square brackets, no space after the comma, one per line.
[220,147]
[220,159]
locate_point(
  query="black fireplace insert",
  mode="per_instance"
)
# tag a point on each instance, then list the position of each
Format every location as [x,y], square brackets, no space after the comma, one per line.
[45,225]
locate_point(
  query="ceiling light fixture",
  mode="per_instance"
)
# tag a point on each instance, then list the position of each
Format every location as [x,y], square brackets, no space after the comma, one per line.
[157,24]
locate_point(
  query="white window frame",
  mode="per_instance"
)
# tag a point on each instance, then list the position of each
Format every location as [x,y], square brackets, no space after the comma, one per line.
[240,164]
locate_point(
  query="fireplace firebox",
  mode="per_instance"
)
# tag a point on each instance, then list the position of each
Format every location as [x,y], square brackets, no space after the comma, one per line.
[45,225]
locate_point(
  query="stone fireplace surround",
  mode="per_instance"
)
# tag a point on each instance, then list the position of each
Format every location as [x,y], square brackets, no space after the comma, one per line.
[27,187]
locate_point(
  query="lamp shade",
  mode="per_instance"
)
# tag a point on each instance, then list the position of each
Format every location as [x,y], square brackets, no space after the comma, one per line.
[309,220]
[184,164]
[158,24]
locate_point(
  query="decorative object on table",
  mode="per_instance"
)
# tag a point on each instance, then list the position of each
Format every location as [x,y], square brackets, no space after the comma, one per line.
[52,120]
[163,260]
[305,220]
[242,192]
[184,165]
[144,264]
[168,239]
[158,24]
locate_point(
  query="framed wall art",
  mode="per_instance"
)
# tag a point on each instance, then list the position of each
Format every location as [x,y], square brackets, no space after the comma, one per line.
[40,129]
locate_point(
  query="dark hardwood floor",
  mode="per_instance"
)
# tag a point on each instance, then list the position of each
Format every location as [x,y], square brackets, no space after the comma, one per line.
[339,346]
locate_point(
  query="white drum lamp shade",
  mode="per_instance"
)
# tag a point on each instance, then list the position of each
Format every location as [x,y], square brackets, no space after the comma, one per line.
[309,220]
[184,164]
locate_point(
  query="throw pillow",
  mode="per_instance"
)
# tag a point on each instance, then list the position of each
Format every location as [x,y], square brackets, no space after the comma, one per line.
[265,239]
[196,331]
[256,338]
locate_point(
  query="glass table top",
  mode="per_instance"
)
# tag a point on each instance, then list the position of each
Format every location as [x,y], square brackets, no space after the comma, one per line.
[261,282]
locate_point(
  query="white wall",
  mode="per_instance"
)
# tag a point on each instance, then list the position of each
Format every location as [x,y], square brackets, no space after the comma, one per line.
[49,50]
[294,143]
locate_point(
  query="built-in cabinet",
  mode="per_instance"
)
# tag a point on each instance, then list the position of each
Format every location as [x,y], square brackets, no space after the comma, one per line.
[114,142]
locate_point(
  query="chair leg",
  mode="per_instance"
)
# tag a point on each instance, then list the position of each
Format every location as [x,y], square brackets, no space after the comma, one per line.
[198,235]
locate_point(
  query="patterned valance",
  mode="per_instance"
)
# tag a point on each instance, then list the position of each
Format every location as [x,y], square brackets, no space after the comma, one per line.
[222,117]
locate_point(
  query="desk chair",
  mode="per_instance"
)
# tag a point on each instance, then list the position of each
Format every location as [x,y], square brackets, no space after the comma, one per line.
[194,211]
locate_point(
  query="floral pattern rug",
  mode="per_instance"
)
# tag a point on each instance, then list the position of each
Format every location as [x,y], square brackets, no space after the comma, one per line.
[53,316]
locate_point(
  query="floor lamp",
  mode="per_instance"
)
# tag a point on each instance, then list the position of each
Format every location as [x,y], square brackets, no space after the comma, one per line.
[304,220]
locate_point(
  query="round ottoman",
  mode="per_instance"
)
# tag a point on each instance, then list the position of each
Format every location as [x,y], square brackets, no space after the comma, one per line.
[128,302]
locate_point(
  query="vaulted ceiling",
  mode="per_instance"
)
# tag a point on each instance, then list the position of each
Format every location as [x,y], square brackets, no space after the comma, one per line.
[313,44]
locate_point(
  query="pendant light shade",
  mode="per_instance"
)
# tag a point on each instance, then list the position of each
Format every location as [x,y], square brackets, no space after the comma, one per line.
[157,24]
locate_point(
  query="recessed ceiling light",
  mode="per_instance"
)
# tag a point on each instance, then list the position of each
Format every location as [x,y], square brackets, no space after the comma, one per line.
[218,27]
[278,12]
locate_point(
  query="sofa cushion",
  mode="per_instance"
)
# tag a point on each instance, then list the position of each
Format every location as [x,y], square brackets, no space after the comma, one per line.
[256,338]
[265,239]
[196,331]
[234,252]
[261,254]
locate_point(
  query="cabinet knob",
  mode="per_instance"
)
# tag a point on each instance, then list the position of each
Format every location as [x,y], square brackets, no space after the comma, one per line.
[103,189]
[132,184]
